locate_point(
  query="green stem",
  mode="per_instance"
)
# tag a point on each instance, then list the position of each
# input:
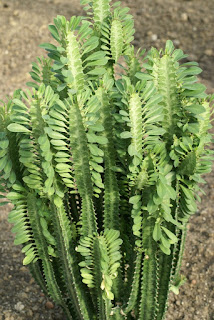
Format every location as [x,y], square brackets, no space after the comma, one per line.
[52,285]
[111,191]
[71,275]
[102,315]
[149,281]
[135,284]
[36,272]
[80,154]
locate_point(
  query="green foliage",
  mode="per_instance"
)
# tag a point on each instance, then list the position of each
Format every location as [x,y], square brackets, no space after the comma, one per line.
[102,159]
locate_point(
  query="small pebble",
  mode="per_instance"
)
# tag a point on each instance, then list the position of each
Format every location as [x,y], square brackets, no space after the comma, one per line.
[35,308]
[184,16]
[19,306]
[16,13]
[49,305]
[28,289]
[154,37]
[209,52]
[30,313]
[23,269]
[176,42]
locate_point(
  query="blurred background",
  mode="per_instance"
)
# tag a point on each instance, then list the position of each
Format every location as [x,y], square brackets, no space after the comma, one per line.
[190,24]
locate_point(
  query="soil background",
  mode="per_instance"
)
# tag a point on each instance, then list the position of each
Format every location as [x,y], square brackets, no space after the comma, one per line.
[190,24]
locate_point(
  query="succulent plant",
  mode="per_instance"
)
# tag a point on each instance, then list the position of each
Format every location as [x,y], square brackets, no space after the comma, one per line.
[102,160]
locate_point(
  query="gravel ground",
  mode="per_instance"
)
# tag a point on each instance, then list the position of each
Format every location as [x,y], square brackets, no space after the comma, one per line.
[23,26]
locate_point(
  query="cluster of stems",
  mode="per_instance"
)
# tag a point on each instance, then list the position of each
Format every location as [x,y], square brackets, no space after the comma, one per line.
[102,160]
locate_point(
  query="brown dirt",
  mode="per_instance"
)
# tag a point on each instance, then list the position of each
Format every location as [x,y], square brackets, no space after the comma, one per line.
[23,26]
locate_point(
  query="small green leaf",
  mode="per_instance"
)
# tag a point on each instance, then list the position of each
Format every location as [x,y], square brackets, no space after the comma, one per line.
[58,201]
[22,238]
[3,153]
[51,251]
[58,143]
[15,196]
[156,132]
[192,71]
[3,162]
[61,87]
[169,47]
[195,90]
[32,85]
[57,115]
[165,250]
[143,76]
[97,127]
[178,55]
[100,62]
[135,199]
[147,66]
[97,71]
[126,135]
[132,151]
[29,258]
[53,30]
[124,113]
[196,109]
[61,154]
[48,46]
[4,144]
[26,248]
[96,167]
[171,192]
[19,103]
[56,135]
[161,189]
[95,150]
[90,44]
[63,167]
[12,177]
[151,206]
[96,56]
[8,167]
[154,100]
[35,76]
[170,235]
[157,232]
[15,127]
[93,138]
